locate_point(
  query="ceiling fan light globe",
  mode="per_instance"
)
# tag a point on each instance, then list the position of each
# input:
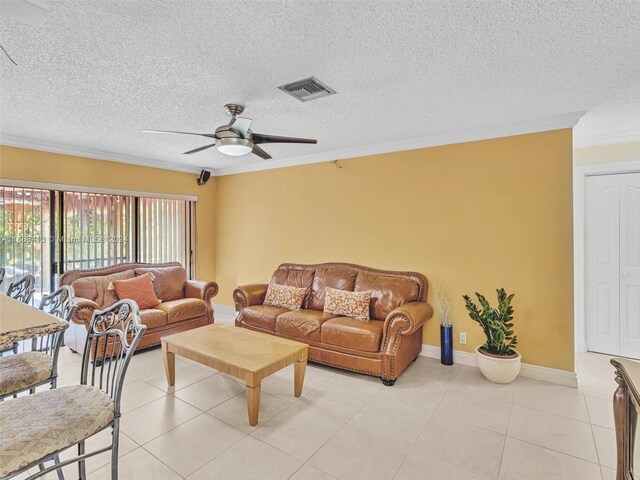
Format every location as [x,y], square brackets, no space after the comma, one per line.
[234,147]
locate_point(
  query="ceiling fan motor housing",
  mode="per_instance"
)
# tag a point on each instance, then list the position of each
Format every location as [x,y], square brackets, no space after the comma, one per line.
[234,109]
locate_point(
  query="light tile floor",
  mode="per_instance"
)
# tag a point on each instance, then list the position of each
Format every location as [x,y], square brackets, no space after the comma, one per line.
[436,423]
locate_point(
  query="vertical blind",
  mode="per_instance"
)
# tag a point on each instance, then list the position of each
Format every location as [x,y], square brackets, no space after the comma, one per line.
[97,230]
[25,237]
[164,229]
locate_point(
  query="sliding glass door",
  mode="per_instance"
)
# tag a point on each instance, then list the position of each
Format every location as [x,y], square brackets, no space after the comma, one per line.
[48,232]
[25,237]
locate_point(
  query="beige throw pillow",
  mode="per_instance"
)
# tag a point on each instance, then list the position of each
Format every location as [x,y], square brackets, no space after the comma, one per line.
[348,304]
[284,296]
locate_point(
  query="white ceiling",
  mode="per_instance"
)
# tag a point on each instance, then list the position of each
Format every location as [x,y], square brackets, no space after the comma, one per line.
[96,73]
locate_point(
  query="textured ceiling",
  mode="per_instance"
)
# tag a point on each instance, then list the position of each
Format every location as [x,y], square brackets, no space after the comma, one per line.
[96,73]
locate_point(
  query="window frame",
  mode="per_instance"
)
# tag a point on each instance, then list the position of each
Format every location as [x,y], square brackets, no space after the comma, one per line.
[56,211]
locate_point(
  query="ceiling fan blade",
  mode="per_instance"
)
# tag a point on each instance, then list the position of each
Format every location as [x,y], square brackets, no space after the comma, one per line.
[241,125]
[199,149]
[210,135]
[260,152]
[264,138]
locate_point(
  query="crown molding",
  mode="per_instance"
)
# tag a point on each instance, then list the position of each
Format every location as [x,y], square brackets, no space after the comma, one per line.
[32,144]
[606,139]
[556,122]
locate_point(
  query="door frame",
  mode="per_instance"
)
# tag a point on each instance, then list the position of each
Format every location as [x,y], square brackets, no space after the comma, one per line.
[580,173]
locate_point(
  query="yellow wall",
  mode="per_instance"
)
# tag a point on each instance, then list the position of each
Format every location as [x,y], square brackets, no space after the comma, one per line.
[476,216]
[619,152]
[37,166]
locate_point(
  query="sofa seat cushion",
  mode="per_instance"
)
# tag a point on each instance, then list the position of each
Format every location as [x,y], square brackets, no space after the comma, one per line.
[183,309]
[351,333]
[262,316]
[153,318]
[36,426]
[302,324]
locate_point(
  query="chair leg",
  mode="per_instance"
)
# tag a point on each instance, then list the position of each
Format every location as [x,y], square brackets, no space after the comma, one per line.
[81,467]
[56,460]
[114,449]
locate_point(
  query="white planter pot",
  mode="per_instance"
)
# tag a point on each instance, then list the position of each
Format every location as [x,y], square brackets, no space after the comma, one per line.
[498,369]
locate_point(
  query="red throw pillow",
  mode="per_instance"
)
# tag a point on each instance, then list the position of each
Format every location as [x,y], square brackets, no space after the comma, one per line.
[139,289]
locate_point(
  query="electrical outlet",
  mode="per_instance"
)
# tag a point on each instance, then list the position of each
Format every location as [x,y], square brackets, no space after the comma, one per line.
[463,338]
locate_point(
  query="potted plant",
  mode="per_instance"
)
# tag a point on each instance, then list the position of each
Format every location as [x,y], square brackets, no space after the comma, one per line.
[496,358]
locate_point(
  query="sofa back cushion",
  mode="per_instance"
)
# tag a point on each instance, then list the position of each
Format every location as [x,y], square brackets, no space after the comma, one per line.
[340,278]
[98,288]
[168,282]
[387,291]
[293,277]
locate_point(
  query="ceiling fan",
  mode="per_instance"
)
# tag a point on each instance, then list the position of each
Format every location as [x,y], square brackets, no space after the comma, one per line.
[236,138]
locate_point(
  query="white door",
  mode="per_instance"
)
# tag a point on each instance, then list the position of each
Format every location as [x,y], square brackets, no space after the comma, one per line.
[630,265]
[602,263]
[612,248]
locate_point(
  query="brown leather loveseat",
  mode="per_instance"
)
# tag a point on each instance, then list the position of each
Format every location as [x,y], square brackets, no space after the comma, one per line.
[185,303]
[383,346]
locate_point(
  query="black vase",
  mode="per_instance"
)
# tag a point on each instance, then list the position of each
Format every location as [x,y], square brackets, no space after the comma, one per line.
[446,344]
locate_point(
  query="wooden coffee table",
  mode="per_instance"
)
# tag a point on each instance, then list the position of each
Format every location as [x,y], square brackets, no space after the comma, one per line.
[247,355]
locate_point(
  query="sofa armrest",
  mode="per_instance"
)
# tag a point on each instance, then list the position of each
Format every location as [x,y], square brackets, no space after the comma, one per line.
[204,291]
[84,311]
[404,320]
[251,294]
[200,289]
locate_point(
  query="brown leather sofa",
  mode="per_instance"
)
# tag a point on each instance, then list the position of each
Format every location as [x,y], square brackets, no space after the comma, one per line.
[185,303]
[383,346]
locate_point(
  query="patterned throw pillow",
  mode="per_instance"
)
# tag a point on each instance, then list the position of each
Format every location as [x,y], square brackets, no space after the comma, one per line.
[348,304]
[284,296]
[138,289]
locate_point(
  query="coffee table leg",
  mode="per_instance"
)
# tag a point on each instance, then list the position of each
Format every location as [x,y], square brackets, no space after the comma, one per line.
[169,364]
[253,403]
[299,369]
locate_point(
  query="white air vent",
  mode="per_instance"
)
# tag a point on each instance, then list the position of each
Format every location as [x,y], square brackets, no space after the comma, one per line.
[307,89]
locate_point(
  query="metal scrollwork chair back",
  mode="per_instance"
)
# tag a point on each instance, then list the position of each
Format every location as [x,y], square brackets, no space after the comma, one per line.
[112,339]
[59,304]
[45,348]
[23,289]
[1,275]
[113,336]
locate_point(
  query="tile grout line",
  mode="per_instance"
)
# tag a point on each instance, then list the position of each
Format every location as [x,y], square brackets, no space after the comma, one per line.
[506,435]
[337,431]
[427,423]
[207,463]
[557,451]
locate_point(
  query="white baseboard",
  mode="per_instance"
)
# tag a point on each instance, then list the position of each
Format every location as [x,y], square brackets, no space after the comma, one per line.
[463,358]
[551,375]
[223,310]
[546,374]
